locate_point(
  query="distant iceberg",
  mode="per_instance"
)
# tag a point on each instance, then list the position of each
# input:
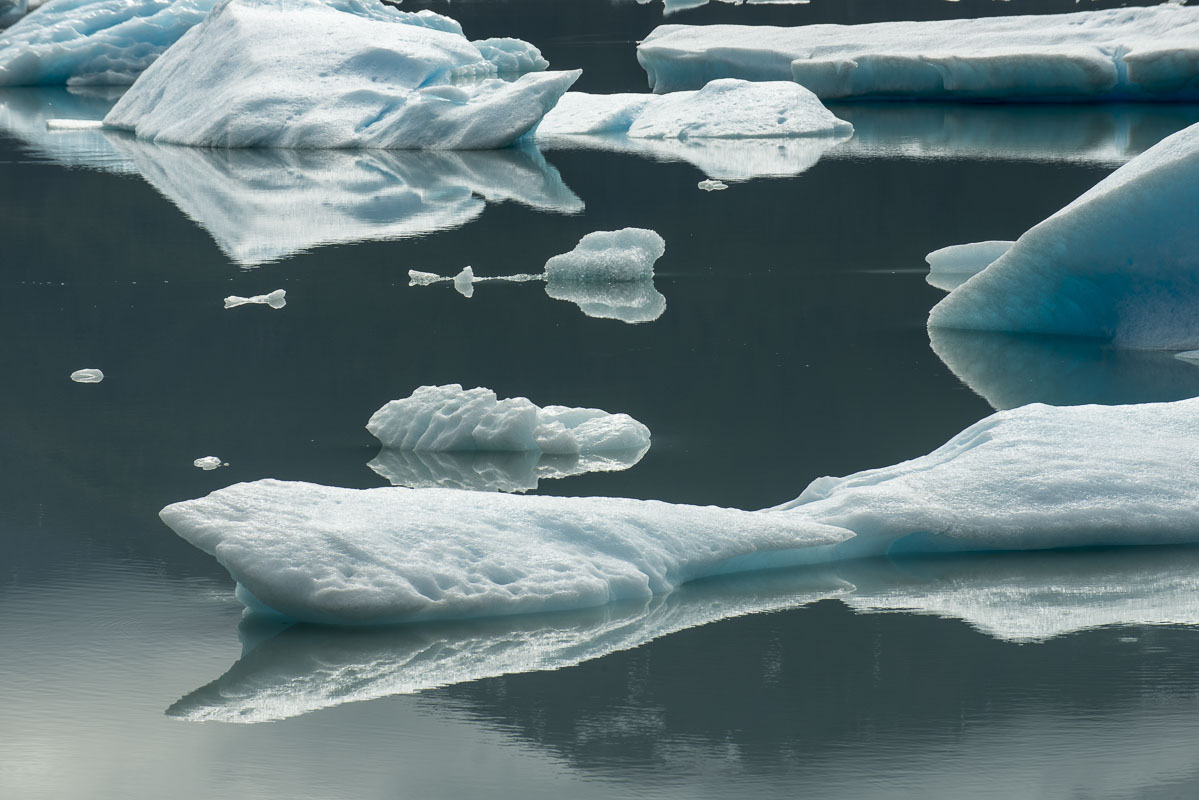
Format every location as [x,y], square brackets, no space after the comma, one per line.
[1128,53]
[316,74]
[1120,263]
[1024,479]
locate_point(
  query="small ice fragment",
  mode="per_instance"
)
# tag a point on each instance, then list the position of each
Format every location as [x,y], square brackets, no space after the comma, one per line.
[73,124]
[209,463]
[87,376]
[418,278]
[464,282]
[712,186]
[276,299]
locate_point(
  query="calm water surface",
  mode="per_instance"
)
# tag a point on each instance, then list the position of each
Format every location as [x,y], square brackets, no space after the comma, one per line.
[792,345]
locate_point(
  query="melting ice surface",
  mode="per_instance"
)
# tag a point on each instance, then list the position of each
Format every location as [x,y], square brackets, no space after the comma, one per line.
[1120,263]
[1133,53]
[1025,479]
[608,275]
[316,74]
[93,41]
[1015,597]
[276,299]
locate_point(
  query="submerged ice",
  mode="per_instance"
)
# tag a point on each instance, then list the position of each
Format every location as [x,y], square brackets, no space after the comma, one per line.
[1120,263]
[316,74]
[1128,53]
[1024,479]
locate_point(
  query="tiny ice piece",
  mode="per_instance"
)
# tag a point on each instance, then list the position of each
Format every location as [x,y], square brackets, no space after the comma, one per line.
[209,463]
[712,186]
[418,278]
[276,299]
[464,282]
[87,376]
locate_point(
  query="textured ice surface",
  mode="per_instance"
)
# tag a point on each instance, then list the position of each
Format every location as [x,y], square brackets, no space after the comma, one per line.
[607,257]
[712,186]
[93,41]
[449,418]
[1036,477]
[494,472]
[1025,597]
[87,376]
[209,463]
[1119,263]
[316,74]
[276,299]
[1133,53]
[723,109]
[951,266]
[1014,369]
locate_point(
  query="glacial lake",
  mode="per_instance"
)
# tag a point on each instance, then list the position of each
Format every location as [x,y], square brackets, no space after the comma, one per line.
[792,345]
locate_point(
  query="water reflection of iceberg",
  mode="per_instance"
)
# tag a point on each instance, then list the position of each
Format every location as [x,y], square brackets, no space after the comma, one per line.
[492,472]
[263,205]
[25,111]
[1009,370]
[1021,597]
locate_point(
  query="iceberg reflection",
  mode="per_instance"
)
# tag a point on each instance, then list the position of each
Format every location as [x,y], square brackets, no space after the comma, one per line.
[1011,369]
[1021,597]
[493,472]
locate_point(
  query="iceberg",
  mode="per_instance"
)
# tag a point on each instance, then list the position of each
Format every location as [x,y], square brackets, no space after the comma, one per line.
[494,472]
[1127,53]
[722,109]
[451,419]
[1024,479]
[1120,263]
[316,74]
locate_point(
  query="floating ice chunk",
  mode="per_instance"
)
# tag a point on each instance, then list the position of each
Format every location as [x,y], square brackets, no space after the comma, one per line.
[208,463]
[275,299]
[312,74]
[951,266]
[448,418]
[350,556]
[723,109]
[87,376]
[494,472]
[1014,369]
[608,256]
[418,278]
[712,186]
[1119,263]
[93,41]
[464,282]
[511,56]
[1130,53]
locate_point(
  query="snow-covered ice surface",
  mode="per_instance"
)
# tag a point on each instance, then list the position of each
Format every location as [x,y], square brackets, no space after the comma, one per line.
[1130,53]
[87,376]
[1011,369]
[451,419]
[316,74]
[276,299]
[106,42]
[1025,479]
[1014,597]
[950,267]
[494,472]
[1120,263]
[722,109]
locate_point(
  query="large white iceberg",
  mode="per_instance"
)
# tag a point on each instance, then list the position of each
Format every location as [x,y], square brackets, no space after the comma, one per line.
[1025,479]
[314,74]
[93,41]
[451,419]
[1119,263]
[1128,53]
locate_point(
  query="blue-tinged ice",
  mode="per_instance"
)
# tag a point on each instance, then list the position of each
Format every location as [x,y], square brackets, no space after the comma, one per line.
[1036,477]
[1127,53]
[93,41]
[315,74]
[12,10]
[1120,263]
[950,267]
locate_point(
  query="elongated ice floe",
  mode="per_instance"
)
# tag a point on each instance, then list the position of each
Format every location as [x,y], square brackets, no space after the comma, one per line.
[722,109]
[93,41]
[1129,53]
[1119,263]
[1025,479]
[87,376]
[276,299]
[315,74]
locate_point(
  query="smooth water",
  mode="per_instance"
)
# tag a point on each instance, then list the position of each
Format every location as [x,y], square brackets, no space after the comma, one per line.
[792,345]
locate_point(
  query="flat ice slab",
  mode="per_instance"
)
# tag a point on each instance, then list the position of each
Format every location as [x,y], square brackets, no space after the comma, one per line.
[723,109]
[313,74]
[1119,263]
[1036,477]
[93,41]
[1128,53]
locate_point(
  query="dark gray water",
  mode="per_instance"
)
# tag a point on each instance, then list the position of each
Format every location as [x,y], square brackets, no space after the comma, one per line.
[793,345]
